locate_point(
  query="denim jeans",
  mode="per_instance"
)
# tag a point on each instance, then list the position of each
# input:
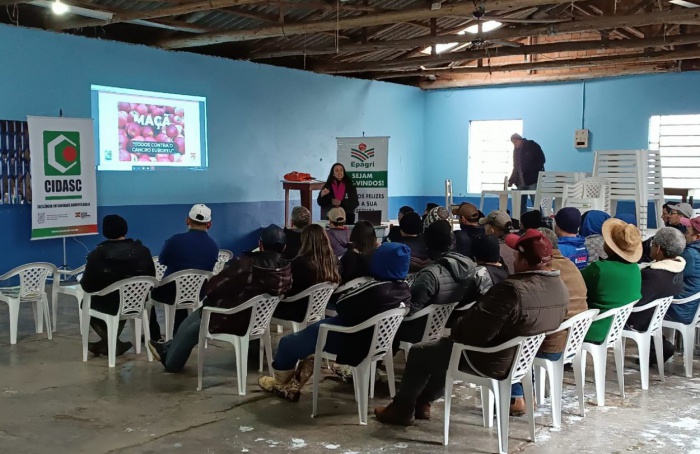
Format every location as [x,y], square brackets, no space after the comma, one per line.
[179,349]
[297,346]
[516,389]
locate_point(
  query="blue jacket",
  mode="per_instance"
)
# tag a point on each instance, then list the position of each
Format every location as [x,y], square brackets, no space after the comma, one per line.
[192,249]
[684,313]
[593,222]
[573,248]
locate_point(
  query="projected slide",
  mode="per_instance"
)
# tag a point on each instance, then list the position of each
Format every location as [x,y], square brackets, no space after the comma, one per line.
[142,130]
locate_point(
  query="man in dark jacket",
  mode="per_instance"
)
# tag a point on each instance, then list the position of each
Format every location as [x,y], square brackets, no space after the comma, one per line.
[411,227]
[387,291]
[445,281]
[263,272]
[469,228]
[113,260]
[530,302]
[528,161]
[193,249]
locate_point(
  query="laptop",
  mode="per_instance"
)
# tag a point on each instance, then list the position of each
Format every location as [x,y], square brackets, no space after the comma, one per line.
[374,217]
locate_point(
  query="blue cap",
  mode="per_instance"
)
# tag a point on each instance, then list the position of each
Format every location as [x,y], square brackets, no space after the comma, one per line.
[390,262]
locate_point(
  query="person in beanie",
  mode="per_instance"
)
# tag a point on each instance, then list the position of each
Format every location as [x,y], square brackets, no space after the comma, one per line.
[531,301]
[445,281]
[469,227]
[111,261]
[531,220]
[386,291]
[489,269]
[498,224]
[435,214]
[616,281]
[264,271]
[338,234]
[411,228]
[571,244]
[394,230]
[193,249]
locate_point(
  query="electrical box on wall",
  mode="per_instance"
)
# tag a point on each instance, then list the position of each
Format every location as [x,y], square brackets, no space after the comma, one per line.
[581,138]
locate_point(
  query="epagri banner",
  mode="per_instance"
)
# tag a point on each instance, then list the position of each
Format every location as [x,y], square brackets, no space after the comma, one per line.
[63,177]
[366,160]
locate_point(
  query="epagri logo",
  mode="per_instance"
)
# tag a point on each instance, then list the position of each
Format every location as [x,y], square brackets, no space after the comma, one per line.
[362,154]
[61,159]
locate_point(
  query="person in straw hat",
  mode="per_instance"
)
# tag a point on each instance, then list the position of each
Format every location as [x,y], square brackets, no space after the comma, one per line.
[616,281]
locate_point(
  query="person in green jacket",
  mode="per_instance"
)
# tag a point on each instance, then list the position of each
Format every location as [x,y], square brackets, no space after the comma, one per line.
[616,281]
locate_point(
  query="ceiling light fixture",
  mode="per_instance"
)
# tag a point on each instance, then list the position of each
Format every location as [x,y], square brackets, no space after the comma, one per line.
[59,7]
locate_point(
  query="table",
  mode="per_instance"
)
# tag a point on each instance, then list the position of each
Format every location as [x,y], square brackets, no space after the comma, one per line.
[502,195]
[306,189]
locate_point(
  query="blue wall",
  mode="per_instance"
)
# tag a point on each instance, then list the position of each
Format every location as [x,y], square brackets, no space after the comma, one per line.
[617,112]
[263,122]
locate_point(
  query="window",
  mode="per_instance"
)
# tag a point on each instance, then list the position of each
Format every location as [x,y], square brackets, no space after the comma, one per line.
[677,137]
[490,153]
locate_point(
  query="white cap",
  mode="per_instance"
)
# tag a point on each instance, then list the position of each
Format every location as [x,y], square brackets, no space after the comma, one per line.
[200,213]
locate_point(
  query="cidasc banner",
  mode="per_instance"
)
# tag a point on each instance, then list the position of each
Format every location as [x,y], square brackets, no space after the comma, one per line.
[63,177]
[366,159]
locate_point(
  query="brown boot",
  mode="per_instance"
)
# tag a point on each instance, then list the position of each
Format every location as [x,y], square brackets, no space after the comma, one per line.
[393,414]
[305,370]
[517,408]
[422,410]
[281,378]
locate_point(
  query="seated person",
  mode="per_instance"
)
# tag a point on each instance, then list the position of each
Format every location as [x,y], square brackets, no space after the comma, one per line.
[616,281]
[411,228]
[316,263]
[592,230]
[394,230]
[531,220]
[489,269]
[469,228]
[445,281]
[193,249]
[684,313]
[428,209]
[531,301]
[665,213]
[435,214]
[356,261]
[389,289]
[680,212]
[265,271]
[301,217]
[338,233]
[111,261]
[498,224]
[571,244]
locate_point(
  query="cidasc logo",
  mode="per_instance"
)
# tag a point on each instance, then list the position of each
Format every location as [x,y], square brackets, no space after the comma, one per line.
[61,153]
[362,154]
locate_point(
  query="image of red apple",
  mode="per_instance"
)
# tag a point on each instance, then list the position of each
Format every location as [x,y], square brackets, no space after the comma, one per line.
[162,157]
[133,105]
[179,111]
[169,109]
[144,158]
[149,139]
[124,155]
[171,131]
[131,115]
[147,131]
[178,120]
[180,144]
[157,111]
[124,107]
[161,137]
[142,109]
[123,142]
[133,130]
[122,118]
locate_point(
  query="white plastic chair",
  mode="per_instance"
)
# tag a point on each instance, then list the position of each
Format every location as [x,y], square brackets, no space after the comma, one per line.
[457,311]
[410,279]
[132,300]
[160,268]
[318,296]
[188,286]
[643,339]
[588,194]
[384,327]
[599,352]
[550,190]
[74,290]
[224,256]
[350,285]
[436,319]
[577,328]
[261,307]
[31,289]
[521,370]
[687,333]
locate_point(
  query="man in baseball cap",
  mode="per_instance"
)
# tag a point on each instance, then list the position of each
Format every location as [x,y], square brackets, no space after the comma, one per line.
[469,227]
[193,249]
[499,224]
[679,216]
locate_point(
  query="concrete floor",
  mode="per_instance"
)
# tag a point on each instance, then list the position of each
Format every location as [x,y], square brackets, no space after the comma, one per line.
[52,402]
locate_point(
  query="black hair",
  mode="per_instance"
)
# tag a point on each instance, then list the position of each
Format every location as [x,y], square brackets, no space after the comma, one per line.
[346,178]
[363,237]
[430,206]
[406,209]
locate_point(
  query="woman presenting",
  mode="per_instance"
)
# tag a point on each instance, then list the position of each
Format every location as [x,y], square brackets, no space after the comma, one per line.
[339,190]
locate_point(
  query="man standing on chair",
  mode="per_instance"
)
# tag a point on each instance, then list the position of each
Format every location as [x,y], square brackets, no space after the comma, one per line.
[528,161]
[193,249]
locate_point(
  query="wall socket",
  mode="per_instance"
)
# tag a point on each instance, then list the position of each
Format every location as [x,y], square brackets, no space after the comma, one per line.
[581,138]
